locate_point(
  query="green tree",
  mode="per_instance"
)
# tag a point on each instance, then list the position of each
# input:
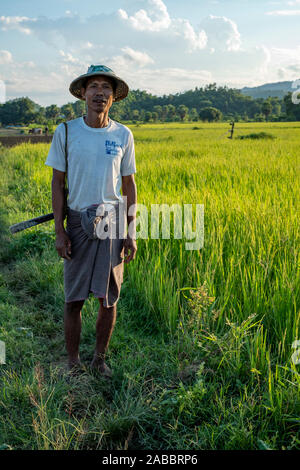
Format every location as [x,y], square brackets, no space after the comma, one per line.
[155,116]
[267,108]
[40,118]
[277,109]
[52,112]
[68,111]
[20,111]
[259,117]
[210,114]
[204,104]
[193,115]
[165,112]
[79,108]
[135,115]
[171,112]
[276,105]
[183,111]
[158,109]
[148,116]
[292,109]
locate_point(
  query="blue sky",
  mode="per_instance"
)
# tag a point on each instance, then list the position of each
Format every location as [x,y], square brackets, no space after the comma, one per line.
[162,46]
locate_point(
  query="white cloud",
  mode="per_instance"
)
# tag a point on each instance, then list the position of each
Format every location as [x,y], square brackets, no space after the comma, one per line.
[284,73]
[5,57]
[263,68]
[46,87]
[140,58]
[15,22]
[286,62]
[43,86]
[67,57]
[122,14]
[87,45]
[166,80]
[283,13]
[248,67]
[285,55]
[151,24]
[222,33]
[149,48]
[195,40]
[29,64]
[155,19]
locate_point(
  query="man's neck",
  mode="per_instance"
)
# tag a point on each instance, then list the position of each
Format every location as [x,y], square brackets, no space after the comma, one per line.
[96,120]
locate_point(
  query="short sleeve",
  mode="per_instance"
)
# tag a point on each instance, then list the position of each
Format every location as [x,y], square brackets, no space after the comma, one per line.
[56,156]
[128,159]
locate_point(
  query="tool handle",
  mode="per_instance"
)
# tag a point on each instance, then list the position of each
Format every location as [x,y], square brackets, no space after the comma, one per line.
[31,223]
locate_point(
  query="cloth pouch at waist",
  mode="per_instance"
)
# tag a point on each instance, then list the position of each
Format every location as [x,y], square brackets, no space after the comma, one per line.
[99,221]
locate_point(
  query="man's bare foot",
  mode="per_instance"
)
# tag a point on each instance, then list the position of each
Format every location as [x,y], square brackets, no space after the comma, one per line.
[101,367]
[74,367]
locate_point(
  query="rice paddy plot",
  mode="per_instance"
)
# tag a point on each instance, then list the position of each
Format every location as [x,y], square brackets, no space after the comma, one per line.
[213,330]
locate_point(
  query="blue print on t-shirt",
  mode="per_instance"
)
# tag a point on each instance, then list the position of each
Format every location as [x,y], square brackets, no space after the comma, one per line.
[111,147]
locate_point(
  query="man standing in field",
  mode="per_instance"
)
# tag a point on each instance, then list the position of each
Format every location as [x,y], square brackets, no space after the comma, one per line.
[101,161]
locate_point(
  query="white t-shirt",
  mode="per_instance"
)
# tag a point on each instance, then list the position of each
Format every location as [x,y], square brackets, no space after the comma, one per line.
[97,160]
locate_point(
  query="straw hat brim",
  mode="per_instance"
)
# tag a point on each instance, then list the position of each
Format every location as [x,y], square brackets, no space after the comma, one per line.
[121,91]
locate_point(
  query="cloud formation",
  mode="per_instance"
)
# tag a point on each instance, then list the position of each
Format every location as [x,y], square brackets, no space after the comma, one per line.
[155,19]
[137,57]
[283,13]
[16,22]
[149,47]
[222,33]
[5,57]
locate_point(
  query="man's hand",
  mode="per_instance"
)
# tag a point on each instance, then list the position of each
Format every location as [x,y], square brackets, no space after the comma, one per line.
[130,249]
[63,245]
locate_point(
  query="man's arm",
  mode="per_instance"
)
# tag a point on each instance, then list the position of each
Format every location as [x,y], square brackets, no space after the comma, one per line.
[63,243]
[129,190]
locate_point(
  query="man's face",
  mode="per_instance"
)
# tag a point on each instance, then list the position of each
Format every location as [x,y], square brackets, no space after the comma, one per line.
[98,94]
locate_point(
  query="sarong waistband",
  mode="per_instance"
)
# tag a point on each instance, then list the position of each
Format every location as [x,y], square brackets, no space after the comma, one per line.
[74,212]
[85,220]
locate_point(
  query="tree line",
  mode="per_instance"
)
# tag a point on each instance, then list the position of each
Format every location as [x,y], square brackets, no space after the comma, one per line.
[210,103]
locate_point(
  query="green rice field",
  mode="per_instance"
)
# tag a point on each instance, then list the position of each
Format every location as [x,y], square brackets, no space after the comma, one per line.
[204,350]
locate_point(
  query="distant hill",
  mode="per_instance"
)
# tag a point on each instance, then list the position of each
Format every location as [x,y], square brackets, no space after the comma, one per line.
[269,89]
